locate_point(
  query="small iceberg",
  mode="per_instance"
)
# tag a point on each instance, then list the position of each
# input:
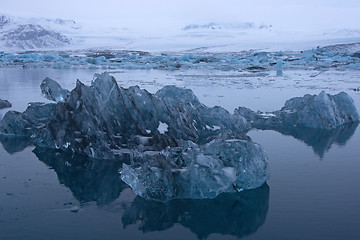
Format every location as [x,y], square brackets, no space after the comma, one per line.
[322,111]
[51,90]
[5,104]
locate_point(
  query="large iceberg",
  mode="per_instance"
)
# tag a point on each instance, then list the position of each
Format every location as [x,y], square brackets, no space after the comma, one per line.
[103,120]
[322,111]
[165,130]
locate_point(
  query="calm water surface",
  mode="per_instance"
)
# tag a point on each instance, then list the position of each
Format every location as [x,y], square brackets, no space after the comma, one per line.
[312,193]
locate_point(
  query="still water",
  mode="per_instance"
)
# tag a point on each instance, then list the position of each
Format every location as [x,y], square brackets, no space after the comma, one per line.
[312,192]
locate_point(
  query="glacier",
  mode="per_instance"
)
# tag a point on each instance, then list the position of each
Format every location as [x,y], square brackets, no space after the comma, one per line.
[170,144]
[5,104]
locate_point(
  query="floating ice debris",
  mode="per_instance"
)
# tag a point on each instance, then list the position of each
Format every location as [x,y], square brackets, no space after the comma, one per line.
[321,111]
[278,67]
[53,91]
[197,172]
[75,209]
[356,54]
[319,58]
[5,104]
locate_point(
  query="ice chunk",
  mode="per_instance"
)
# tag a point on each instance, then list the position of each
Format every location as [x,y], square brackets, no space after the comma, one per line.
[236,214]
[279,71]
[193,171]
[53,91]
[35,117]
[321,111]
[5,104]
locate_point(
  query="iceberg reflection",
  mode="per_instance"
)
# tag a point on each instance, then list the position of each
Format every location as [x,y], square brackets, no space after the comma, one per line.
[321,140]
[237,214]
[14,144]
[88,179]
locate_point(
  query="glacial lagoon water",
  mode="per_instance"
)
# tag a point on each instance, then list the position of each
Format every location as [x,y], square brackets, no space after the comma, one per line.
[312,192]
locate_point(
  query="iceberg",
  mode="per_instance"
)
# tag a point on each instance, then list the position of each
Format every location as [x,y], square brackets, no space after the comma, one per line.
[322,111]
[5,104]
[53,91]
[103,120]
[171,127]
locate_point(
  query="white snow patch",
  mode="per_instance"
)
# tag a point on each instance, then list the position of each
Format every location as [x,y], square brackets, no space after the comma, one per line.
[163,127]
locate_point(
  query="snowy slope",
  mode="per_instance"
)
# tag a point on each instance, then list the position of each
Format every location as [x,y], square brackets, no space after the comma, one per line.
[30,33]
[18,34]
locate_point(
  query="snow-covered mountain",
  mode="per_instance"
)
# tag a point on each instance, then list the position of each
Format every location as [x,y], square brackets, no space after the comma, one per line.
[217,26]
[31,36]
[35,33]
[19,34]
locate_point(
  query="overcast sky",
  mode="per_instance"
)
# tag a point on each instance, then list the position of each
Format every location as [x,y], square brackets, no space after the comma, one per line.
[285,14]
